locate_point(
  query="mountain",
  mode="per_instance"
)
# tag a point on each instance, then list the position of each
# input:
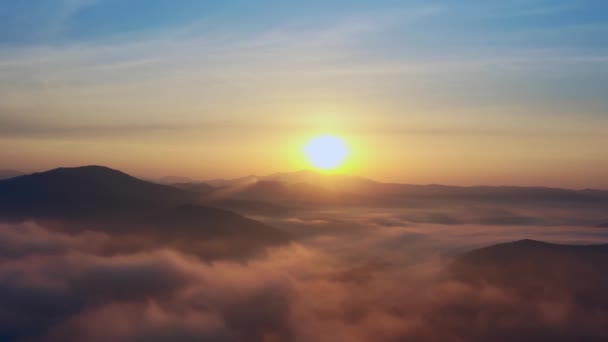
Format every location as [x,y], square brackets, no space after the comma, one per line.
[216,196]
[324,180]
[532,251]
[172,180]
[312,178]
[506,193]
[83,188]
[278,193]
[532,268]
[248,207]
[526,290]
[309,188]
[284,190]
[5,174]
[102,199]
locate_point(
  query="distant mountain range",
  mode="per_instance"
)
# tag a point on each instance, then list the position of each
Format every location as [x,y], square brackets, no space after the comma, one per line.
[95,191]
[109,201]
[172,180]
[303,176]
[314,188]
[102,199]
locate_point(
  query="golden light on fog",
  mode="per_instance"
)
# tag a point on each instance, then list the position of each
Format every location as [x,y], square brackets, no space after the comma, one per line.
[326,152]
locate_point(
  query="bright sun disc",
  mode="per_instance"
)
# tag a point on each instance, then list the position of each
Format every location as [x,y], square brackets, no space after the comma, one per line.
[326,152]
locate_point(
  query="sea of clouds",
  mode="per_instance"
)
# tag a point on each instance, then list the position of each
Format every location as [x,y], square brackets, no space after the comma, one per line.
[349,275]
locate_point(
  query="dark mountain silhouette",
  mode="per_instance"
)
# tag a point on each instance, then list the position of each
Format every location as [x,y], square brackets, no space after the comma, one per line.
[215,197]
[88,188]
[534,268]
[249,207]
[172,180]
[103,199]
[279,192]
[324,180]
[312,178]
[5,174]
[526,290]
[309,187]
[286,190]
[533,251]
[507,193]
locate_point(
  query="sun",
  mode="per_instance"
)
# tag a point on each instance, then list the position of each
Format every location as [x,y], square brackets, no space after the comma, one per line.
[326,152]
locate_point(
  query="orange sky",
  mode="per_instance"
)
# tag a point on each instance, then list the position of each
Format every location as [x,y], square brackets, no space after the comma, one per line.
[518,99]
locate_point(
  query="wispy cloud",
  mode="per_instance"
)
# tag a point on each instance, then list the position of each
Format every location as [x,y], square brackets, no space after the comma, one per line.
[332,60]
[446,69]
[37,22]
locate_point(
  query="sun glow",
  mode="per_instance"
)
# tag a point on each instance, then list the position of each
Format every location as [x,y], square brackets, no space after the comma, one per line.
[326,152]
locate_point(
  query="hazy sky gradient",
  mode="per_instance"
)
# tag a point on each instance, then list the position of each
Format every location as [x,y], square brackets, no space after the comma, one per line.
[458,92]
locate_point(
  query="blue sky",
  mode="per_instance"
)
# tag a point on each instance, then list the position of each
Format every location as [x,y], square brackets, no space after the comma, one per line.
[55,21]
[186,75]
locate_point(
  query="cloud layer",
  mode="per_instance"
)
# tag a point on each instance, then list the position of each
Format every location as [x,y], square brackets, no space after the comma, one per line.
[375,284]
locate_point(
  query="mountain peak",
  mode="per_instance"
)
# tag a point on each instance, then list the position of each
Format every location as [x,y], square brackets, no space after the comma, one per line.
[86,169]
[85,186]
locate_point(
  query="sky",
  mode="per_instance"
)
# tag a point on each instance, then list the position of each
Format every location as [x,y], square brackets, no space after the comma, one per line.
[453,92]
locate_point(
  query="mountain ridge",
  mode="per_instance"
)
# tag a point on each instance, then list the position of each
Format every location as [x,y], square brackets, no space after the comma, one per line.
[310,186]
[85,186]
[110,201]
[309,173]
[545,263]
